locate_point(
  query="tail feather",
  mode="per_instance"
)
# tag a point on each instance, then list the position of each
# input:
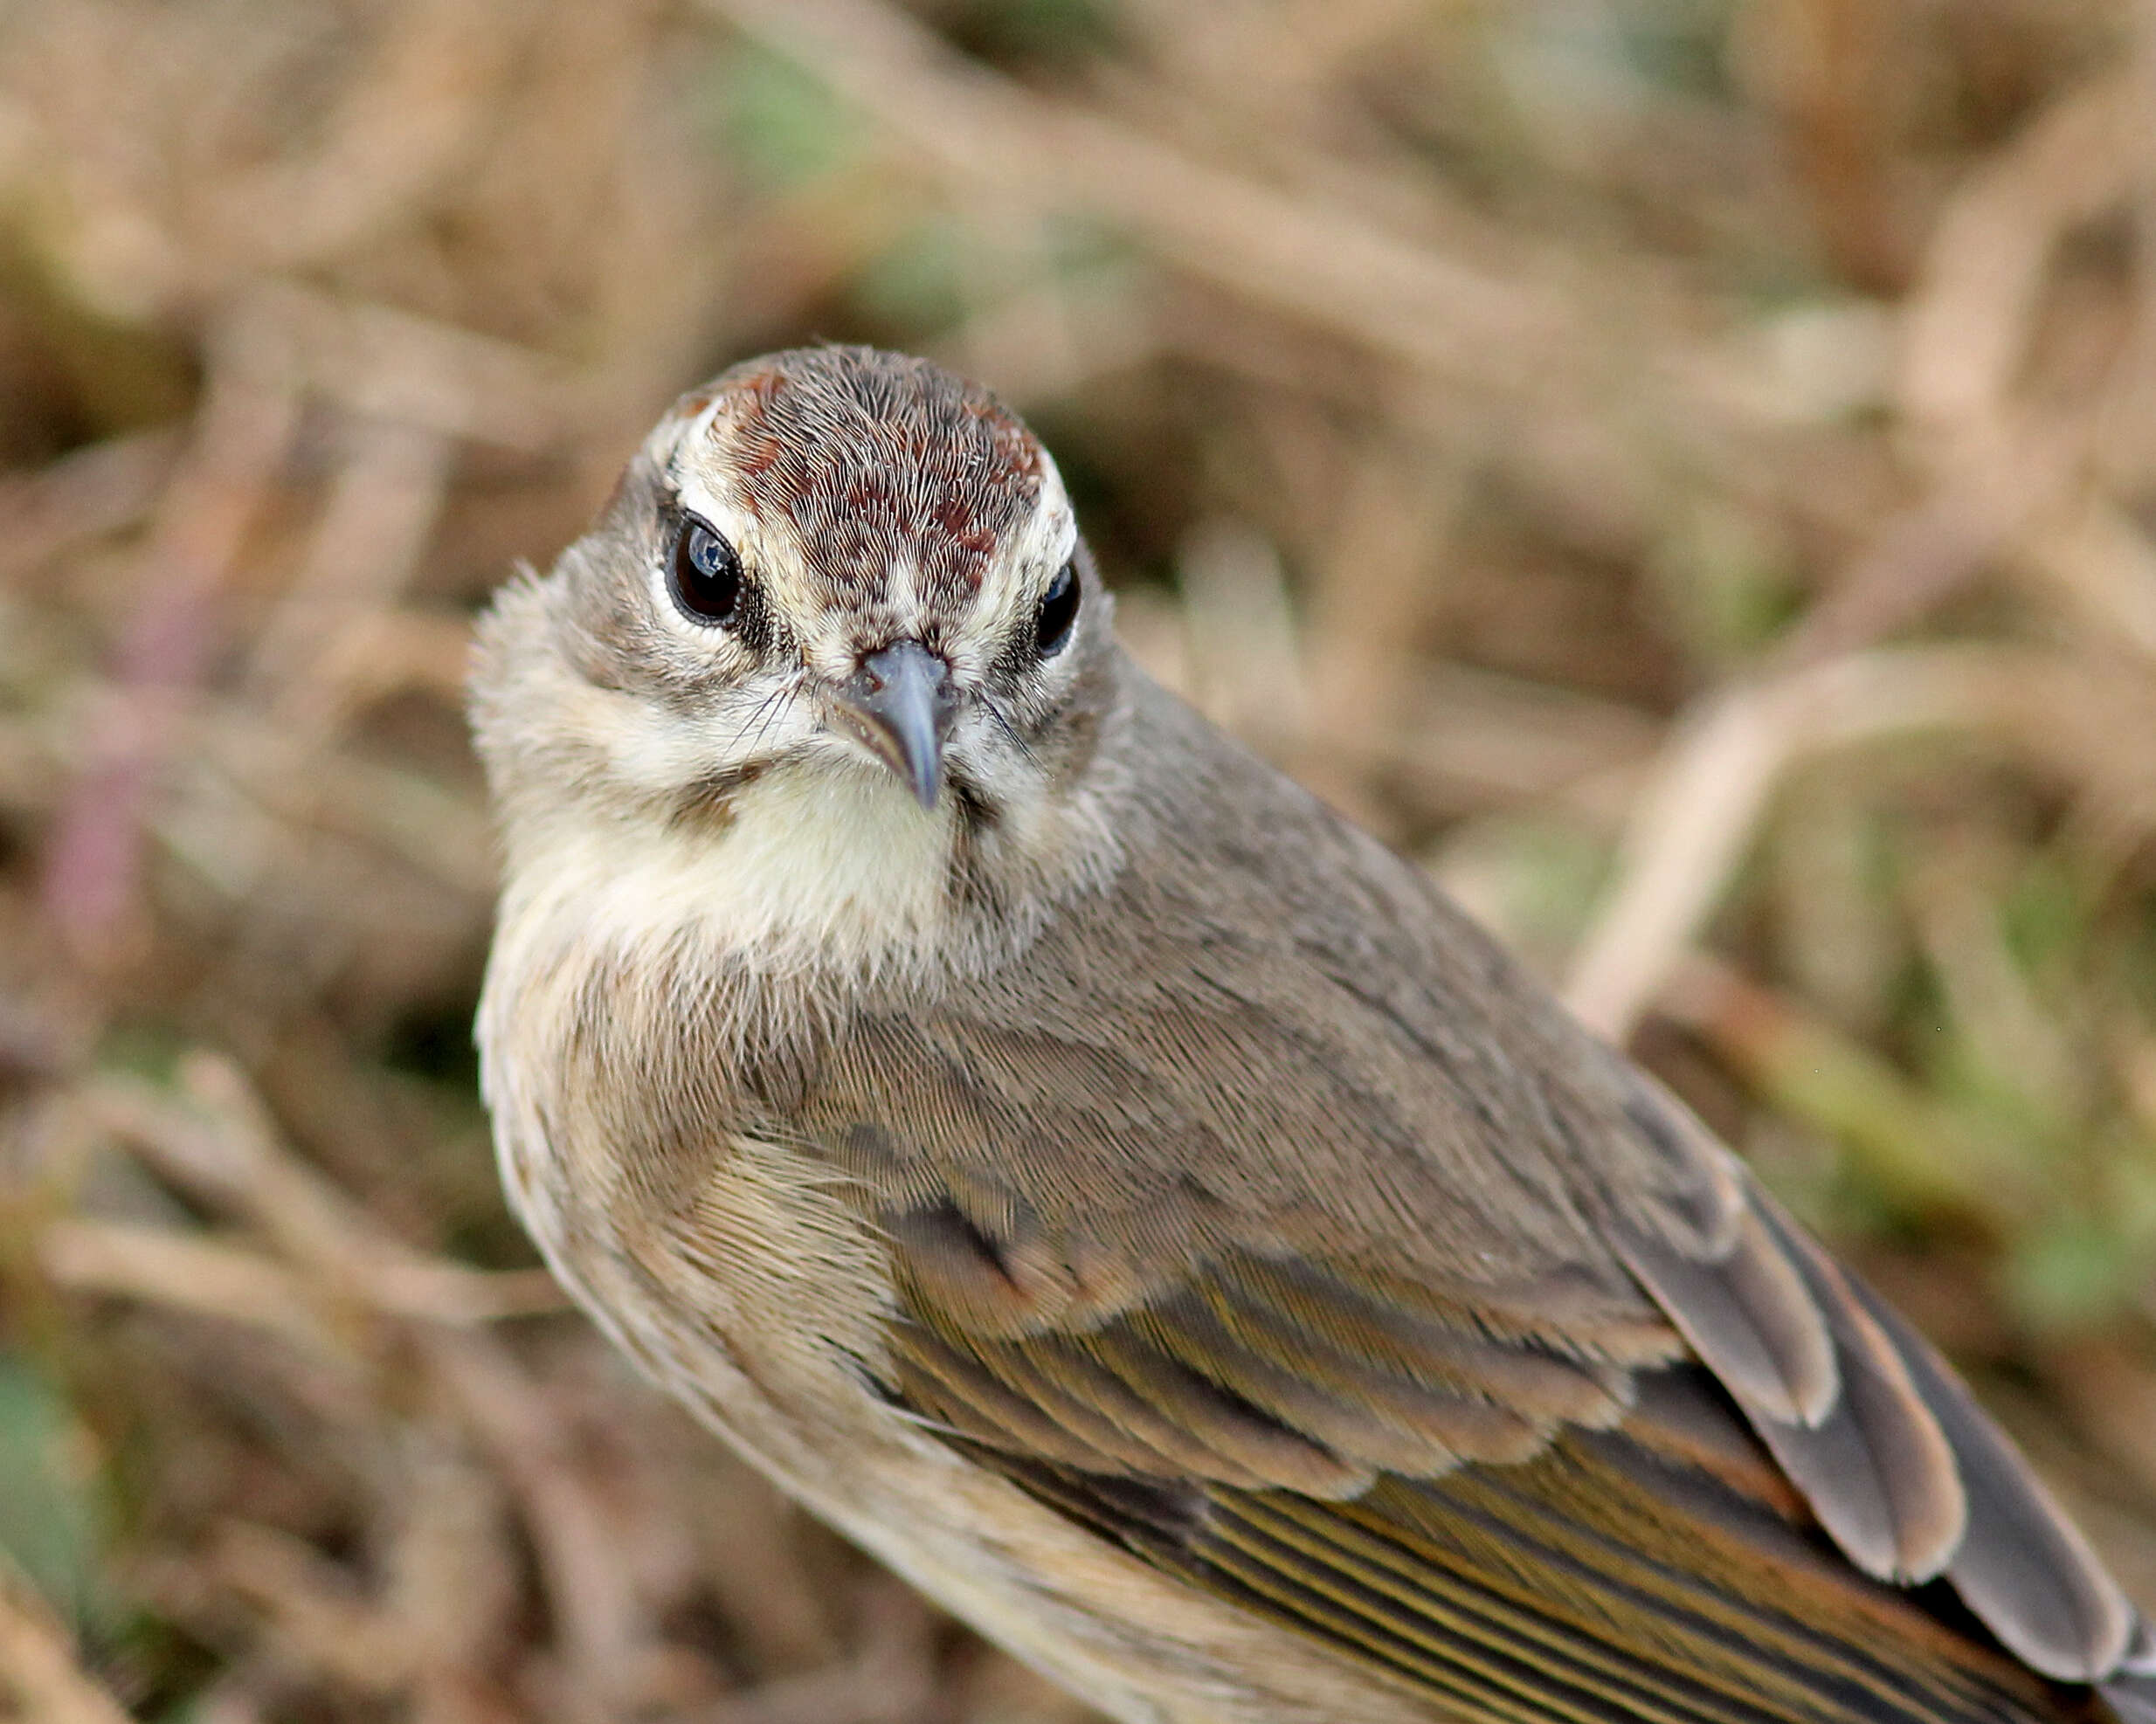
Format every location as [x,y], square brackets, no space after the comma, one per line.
[2131,1693]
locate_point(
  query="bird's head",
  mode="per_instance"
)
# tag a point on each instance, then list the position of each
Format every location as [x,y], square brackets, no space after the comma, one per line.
[835,623]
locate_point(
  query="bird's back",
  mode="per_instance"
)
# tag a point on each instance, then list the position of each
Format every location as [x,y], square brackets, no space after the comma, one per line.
[1418,1323]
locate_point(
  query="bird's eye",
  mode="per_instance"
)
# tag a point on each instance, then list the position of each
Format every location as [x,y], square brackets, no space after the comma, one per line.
[1059,610]
[707,573]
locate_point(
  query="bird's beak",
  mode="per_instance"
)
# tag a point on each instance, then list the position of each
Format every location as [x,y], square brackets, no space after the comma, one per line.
[897,706]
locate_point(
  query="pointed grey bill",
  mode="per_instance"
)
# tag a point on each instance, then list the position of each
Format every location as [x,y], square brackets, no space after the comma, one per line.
[898,705]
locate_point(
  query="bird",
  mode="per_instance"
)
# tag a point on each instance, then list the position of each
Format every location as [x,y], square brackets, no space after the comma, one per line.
[1130,1201]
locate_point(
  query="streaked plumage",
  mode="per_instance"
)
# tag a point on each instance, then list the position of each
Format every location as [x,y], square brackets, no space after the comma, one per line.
[1132,1201]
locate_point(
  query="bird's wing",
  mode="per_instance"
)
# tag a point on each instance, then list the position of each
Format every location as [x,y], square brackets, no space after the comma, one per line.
[1269,1223]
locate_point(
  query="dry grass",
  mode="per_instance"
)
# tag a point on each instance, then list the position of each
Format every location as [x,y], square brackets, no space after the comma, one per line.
[1687,470]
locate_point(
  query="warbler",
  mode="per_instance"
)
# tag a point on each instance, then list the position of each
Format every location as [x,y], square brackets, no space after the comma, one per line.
[1131,1202]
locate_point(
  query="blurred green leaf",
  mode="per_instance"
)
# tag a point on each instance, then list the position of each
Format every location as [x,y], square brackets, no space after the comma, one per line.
[2069,1275]
[1730,587]
[1905,1156]
[2046,917]
[1998,1105]
[916,284]
[1679,45]
[144,1049]
[785,126]
[54,1507]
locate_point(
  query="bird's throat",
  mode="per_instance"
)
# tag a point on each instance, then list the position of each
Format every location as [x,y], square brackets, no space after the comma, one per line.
[828,869]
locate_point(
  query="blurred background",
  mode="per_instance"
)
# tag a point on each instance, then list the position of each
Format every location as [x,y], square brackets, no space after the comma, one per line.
[1686,470]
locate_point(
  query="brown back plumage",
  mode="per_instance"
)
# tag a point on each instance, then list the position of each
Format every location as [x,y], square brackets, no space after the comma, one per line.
[1363,1288]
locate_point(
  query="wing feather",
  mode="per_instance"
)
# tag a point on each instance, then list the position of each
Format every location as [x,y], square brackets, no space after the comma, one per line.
[1365,1289]
[2022,1567]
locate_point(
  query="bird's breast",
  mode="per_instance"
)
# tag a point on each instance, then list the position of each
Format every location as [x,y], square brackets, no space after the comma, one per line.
[733,1270]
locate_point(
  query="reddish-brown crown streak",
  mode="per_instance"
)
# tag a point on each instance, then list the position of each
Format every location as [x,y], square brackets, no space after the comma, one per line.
[869,456]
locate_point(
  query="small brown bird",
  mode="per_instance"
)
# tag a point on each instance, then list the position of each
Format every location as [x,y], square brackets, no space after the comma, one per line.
[1131,1202]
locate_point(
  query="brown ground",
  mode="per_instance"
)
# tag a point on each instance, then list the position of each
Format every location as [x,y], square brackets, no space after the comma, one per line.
[1687,470]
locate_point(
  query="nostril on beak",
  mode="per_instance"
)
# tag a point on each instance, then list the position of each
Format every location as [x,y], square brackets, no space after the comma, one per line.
[902,695]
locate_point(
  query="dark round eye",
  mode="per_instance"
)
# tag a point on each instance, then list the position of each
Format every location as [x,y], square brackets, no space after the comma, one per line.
[1059,610]
[707,573]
